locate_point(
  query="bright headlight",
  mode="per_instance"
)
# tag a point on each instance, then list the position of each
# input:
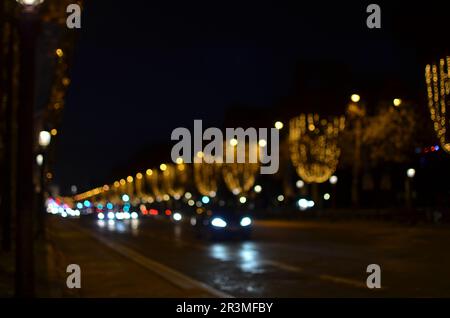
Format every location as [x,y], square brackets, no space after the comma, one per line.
[218,222]
[246,221]
[111,215]
[100,216]
[177,216]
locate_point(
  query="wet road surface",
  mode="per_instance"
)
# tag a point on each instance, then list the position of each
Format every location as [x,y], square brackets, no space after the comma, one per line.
[297,259]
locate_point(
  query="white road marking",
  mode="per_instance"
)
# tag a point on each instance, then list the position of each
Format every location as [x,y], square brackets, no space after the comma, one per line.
[342,280]
[277,264]
[173,276]
[296,269]
[284,266]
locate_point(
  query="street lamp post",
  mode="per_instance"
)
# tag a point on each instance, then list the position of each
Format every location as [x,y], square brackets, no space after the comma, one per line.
[356,112]
[410,173]
[7,204]
[28,24]
[41,159]
[333,181]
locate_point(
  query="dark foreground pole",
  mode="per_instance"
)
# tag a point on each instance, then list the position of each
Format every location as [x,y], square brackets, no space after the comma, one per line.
[24,278]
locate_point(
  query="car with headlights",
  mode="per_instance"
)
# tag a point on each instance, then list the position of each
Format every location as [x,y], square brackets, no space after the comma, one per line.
[222,223]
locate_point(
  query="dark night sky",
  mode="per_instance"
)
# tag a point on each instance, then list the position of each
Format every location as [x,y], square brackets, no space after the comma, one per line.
[143,68]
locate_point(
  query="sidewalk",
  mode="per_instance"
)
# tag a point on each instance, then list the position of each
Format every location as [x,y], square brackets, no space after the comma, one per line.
[104,272]
[7,271]
[6,274]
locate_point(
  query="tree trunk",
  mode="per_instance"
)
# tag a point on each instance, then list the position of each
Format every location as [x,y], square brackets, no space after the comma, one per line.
[6,94]
[356,164]
[28,26]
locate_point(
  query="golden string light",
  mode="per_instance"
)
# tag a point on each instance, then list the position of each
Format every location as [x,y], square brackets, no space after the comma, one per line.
[121,190]
[135,187]
[54,15]
[313,146]
[172,179]
[146,186]
[102,196]
[206,178]
[114,193]
[240,177]
[157,184]
[129,189]
[438,91]
[175,178]
[138,185]
[87,194]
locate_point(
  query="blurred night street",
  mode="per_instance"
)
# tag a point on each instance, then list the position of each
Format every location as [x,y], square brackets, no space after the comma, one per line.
[307,259]
[210,150]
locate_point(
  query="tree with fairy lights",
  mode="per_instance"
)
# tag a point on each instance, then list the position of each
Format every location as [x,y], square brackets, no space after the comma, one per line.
[438,91]
[239,177]
[313,147]
[206,177]
[175,178]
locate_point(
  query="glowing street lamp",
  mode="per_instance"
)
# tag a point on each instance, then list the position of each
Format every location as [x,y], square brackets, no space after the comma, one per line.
[333,179]
[355,98]
[397,102]
[44,138]
[279,125]
[59,52]
[356,112]
[30,2]
[30,5]
[262,143]
[410,173]
[39,160]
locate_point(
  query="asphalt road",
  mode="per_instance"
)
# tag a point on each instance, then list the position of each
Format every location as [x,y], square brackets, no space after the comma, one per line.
[301,259]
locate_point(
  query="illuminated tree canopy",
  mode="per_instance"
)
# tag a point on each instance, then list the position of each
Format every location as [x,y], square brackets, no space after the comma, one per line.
[240,177]
[313,146]
[438,91]
[175,178]
[206,178]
